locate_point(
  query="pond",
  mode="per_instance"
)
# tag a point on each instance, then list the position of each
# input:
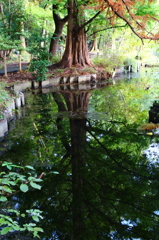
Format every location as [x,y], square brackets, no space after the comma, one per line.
[99,159]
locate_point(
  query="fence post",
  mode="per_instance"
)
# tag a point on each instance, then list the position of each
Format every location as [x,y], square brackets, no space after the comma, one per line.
[5,65]
[20,63]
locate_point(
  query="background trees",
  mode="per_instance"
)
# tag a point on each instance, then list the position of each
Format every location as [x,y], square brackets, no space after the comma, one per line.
[35,24]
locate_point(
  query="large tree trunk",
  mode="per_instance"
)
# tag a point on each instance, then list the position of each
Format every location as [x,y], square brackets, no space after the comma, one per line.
[76,51]
[59,25]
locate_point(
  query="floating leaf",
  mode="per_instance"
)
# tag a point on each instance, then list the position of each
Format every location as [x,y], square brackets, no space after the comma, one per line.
[24,187]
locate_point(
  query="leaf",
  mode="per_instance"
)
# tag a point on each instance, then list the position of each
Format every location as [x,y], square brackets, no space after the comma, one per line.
[34,185]
[23,215]
[55,172]
[6,164]
[35,218]
[30,167]
[38,180]
[13,211]
[9,167]
[36,234]
[31,178]
[149,133]
[21,178]
[12,183]
[2,221]
[3,199]
[24,187]
[7,189]
[16,227]
[5,230]
[38,229]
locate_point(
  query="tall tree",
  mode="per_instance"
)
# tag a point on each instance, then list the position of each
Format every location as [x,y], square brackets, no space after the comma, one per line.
[76,51]
[59,25]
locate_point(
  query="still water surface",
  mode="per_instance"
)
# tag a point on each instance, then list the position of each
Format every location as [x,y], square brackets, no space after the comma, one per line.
[107,186]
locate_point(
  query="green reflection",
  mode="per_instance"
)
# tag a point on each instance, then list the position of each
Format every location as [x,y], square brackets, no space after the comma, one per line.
[106,188]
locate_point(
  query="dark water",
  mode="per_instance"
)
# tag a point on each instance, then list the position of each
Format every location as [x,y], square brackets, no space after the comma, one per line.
[108,181]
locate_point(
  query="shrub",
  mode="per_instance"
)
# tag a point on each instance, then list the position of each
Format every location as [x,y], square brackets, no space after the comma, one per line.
[39,69]
[12,182]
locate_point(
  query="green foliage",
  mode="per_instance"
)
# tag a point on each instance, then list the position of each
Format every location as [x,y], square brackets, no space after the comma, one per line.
[6,43]
[10,183]
[39,69]
[38,13]
[41,53]
[38,65]
[13,15]
[149,9]
[109,61]
[54,59]
[130,61]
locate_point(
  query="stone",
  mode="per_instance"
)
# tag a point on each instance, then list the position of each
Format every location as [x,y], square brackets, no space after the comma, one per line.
[3,127]
[54,81]
[18,102]
[81,78]
[22,99]
[22,86]
[45,83]
[8,112]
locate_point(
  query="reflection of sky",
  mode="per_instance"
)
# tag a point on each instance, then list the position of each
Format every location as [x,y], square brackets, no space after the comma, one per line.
[152,153]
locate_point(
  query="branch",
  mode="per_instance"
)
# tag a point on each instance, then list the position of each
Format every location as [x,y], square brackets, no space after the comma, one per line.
[133,30]
[132,15]
[90,20]
[129,24]
[56,16]
[112,157]
[107,29]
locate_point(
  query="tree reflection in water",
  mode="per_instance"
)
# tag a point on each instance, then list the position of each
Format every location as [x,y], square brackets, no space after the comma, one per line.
[105,189]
